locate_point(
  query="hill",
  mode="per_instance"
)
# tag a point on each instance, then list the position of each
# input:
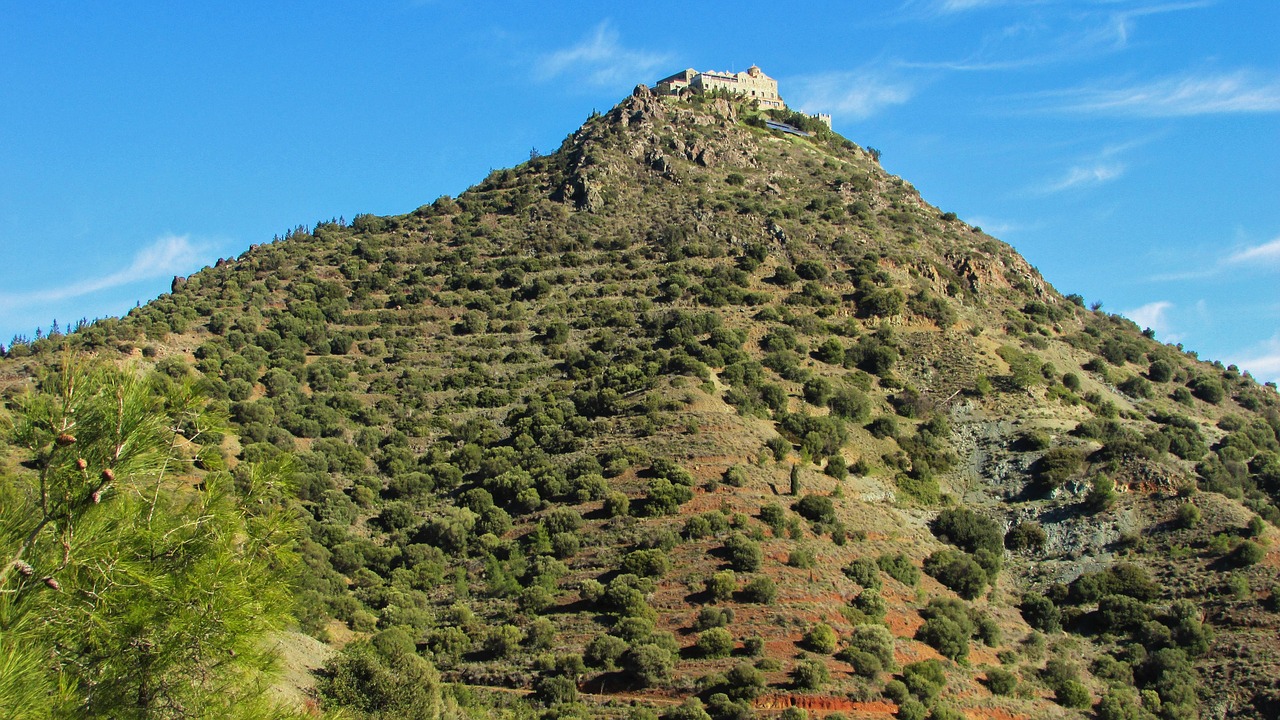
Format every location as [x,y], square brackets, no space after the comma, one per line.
[698,415]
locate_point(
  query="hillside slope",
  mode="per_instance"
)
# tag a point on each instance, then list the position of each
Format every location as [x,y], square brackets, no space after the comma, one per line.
[682,410]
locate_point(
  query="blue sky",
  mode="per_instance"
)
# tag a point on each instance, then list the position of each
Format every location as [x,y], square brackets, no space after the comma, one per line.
[1130,149]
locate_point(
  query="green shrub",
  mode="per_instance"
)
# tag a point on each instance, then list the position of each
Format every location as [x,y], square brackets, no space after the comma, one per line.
[1188,515]
[743,554]
[715,643]
[1026,535]
[958,571]
[968,530]
[760,590]
[864,572]
[721,585]
[817,508]
[646,563]
[1248,553]
[1040,613]
[1001,681]
[648,665]
[900,568]
[821,638]
[604,651]
[810,674]
[617,504]
[947,628]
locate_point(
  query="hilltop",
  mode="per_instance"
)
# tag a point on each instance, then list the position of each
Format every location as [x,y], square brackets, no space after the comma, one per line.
[697,408]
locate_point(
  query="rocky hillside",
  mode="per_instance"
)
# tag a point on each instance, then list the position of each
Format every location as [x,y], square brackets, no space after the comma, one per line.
[694,417]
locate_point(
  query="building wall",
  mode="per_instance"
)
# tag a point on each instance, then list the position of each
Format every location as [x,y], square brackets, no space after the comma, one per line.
[751,84]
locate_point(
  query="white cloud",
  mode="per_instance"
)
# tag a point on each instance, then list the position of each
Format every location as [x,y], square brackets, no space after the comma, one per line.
[1180,96]
[1153,315]
[1263,362]
[1268,252]
[995,226]
[1084,176]
[602,60]
[854,95]
[167,256]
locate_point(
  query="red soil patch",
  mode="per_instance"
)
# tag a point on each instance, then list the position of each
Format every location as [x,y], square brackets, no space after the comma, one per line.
[822,705]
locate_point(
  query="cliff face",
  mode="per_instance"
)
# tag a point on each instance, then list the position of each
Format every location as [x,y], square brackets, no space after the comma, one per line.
[687,391]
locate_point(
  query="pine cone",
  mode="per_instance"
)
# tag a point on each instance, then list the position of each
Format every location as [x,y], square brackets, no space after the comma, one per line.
[81,463]
[52,583]
[108,474]
[23,568]
[65,439]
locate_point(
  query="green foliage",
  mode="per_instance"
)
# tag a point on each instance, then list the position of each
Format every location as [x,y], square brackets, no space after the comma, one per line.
[116,565]
[715,643]
[1040,613]
[947,628]
[810,674]
[1248,553]
[721,585]
[648,665]
[761,590]
[900,568]
[865,572]
[1026,535]
[743,554]
[383,678]
[821,638]
[816,508]
[968,530]
[958,571]
[1001,681]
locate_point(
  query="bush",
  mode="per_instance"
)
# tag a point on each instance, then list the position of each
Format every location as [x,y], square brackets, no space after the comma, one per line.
[1001,681]
[947,628]
[864,572]
[958,571]
[821,638]
[1040,613]
[721,585]
[648,665]
[760,590]
[817,508]
[1188,515]
[875,640]
[968,530]
[604,651]
[1026,535]
[1248,553]
[1057,465]
[924,679]
[743,554]
[900,568]
[616,504]
[1073,694]
[810,674]
[715,643]
[646,563]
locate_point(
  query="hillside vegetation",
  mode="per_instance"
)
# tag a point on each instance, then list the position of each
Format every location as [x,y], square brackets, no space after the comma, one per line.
[693,418]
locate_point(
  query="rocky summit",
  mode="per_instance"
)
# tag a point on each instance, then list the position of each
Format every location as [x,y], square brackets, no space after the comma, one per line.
[707,415]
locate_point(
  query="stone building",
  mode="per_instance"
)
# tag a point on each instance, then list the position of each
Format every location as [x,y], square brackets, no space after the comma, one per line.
[752,84]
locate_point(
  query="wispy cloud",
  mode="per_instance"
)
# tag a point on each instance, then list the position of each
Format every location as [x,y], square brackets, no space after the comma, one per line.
[997,227]
[1050,33]
[1266,253]
[601,59]
[1263,361]
[1153,315]
[1083,176]
[166,256]
[1184,95]
[854,95]
[1264,256]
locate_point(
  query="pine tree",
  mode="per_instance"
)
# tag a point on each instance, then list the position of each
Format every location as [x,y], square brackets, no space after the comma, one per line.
[152,593]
